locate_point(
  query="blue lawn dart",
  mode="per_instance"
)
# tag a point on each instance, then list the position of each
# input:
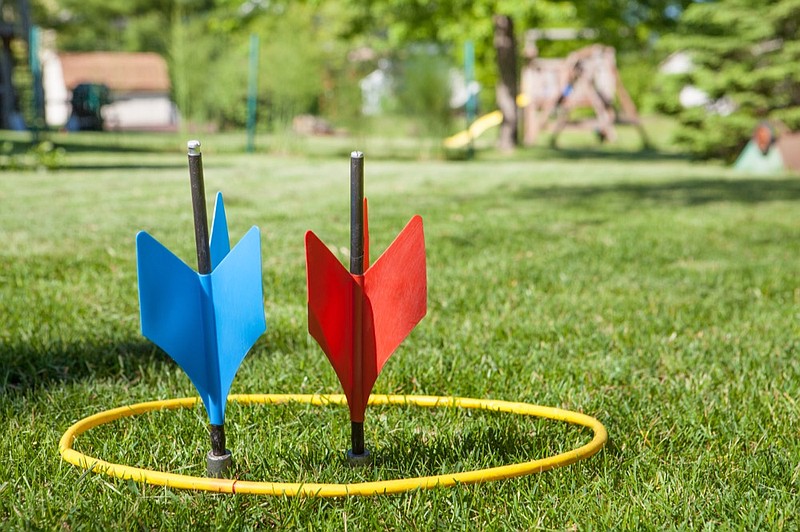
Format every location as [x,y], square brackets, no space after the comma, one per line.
[206,320]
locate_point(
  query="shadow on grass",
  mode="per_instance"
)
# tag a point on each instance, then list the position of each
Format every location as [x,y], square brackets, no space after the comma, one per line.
[689,192]
[117,142]
[31,367]
[105,148]
[24,367]
[129,166]
[94,142]
[643,155]
[546,153]
[463,448]
[384,154]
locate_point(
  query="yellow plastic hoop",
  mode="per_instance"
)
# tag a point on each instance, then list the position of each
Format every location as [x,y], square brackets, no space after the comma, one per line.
[383,487]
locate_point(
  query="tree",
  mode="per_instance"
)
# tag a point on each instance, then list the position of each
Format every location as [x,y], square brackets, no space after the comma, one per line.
[745,55]
[630,25]
[114,25]
[506,54]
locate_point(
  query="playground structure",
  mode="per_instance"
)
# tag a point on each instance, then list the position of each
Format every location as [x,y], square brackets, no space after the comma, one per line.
[18,49]
[586,78]
[552,88]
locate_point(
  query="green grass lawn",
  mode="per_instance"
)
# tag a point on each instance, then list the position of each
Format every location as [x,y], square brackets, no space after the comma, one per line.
[657,295]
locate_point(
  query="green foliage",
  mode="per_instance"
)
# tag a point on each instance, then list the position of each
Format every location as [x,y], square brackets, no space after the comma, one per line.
[665,93]
[214,70]
[424,92]
[710,135]
[23,82]
[146,32]
[42,155]
[292,67]
[92,25]
[209,58]
[747,52]
[638,71]
[629,25]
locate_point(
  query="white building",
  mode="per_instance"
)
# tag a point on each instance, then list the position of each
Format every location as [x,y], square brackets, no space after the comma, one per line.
[139,85]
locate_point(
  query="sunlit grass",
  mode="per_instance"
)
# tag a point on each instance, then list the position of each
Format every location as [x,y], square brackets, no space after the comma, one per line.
[659,296]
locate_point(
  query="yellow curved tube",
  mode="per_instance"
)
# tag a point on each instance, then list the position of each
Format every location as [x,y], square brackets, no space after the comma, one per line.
[475,130]
[481,125]
[382,487]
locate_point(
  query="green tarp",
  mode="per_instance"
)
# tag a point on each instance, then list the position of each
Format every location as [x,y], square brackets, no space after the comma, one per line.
[751,160]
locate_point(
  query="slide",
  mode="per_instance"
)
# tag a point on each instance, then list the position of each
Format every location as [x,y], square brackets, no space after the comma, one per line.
[479,127]
[476,129]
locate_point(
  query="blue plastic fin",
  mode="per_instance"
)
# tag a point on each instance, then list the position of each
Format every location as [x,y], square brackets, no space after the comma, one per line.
[220,244]
[238,306]
[171,308]
[206,323]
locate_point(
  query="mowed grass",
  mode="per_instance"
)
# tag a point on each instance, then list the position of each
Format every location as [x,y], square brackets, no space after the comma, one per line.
[659,296]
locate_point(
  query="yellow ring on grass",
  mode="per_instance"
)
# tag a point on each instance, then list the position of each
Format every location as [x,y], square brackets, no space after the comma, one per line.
[291,489]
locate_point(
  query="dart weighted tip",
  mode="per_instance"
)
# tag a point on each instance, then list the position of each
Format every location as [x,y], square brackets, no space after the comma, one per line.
[358,455]
[194,147]
[218,465]
[359,460]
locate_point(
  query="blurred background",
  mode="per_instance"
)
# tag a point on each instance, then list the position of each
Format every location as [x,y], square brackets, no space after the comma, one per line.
[698,77]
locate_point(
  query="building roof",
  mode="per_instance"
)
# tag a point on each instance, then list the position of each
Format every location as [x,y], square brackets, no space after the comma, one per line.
[120,71]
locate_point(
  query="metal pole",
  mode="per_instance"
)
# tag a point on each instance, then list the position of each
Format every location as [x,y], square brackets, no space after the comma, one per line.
[471,106]
[217,436]
[219,459]
[358,454]
[469,78]
[199,207]
[252,94]
[357,213]
[37,105]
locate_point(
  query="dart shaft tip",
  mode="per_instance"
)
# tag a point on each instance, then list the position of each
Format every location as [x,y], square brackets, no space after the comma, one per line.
[359,460]
[357,155]
[194,147]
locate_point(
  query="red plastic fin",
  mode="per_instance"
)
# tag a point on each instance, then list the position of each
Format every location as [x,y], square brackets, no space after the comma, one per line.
[393,296]
[330,308]
[366,235]
[396,289]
